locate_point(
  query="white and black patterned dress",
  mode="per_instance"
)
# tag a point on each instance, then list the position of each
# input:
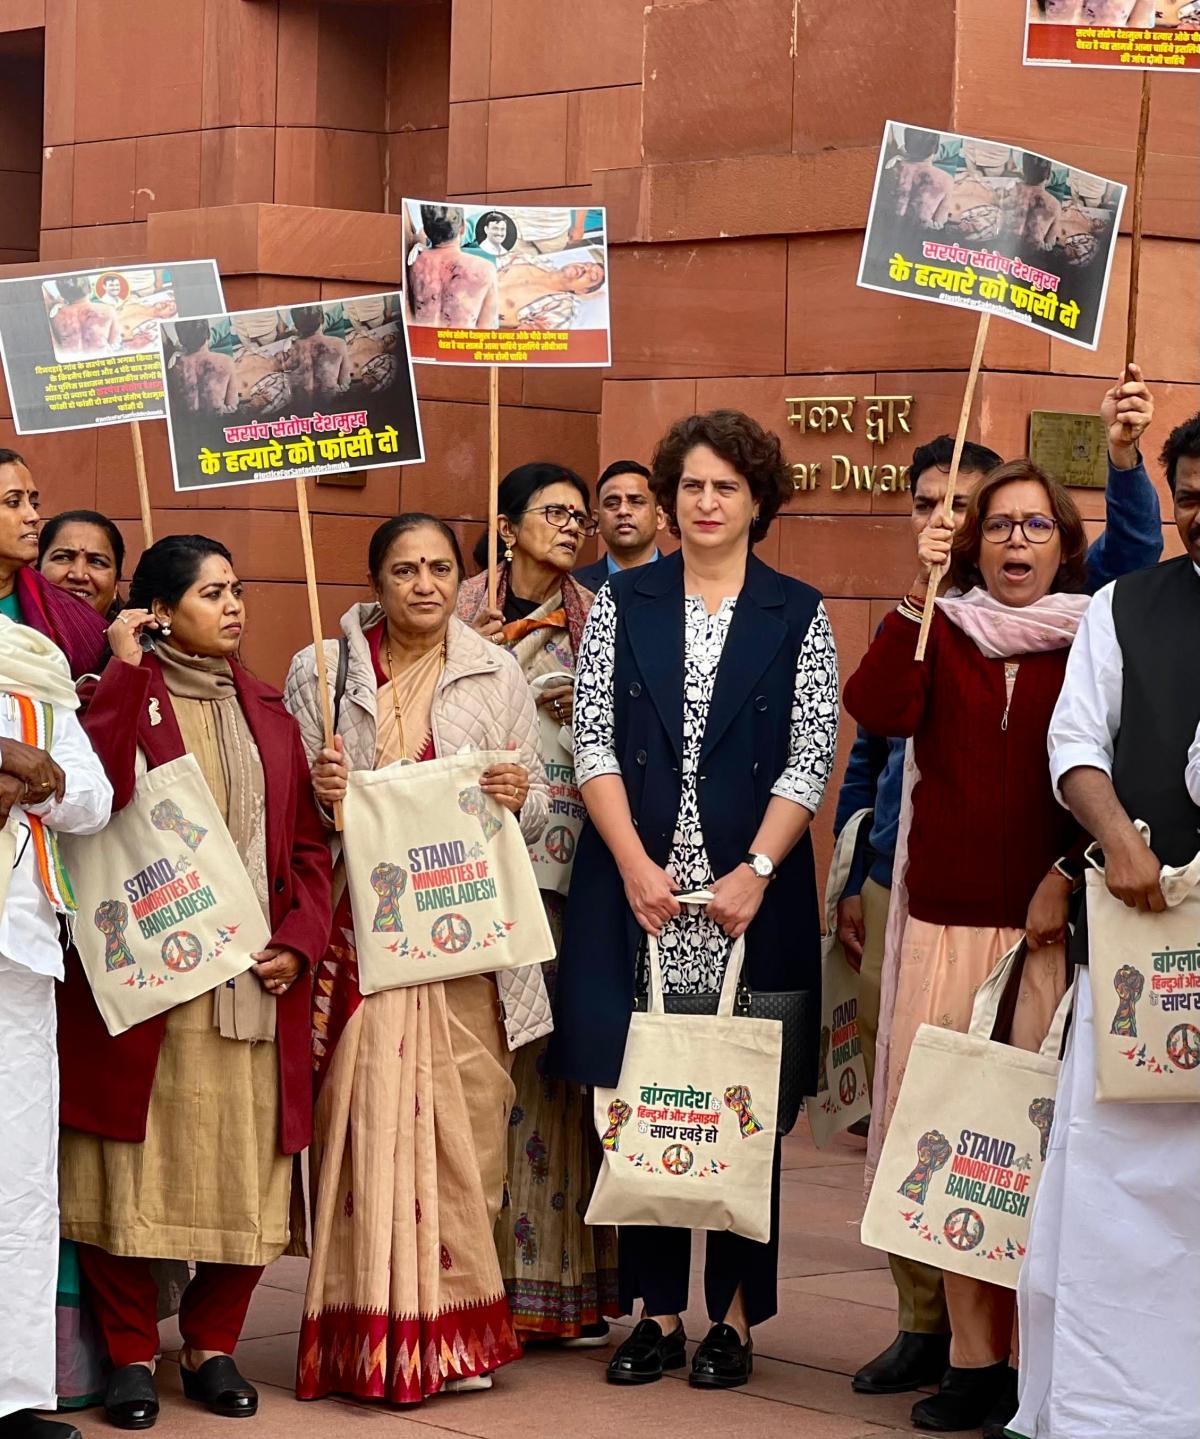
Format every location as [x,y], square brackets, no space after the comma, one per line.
[692,947]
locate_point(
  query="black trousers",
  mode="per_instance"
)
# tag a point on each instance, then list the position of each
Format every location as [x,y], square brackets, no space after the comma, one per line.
[655,1265]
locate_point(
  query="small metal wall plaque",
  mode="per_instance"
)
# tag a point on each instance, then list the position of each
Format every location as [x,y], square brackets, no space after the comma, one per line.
[1071,448]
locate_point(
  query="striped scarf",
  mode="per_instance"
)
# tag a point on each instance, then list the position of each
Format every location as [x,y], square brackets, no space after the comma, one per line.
[37,729]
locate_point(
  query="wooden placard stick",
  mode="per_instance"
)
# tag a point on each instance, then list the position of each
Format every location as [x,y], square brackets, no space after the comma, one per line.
[1135,251]
[314,612]
[139,465]
[935,577]
[493,483]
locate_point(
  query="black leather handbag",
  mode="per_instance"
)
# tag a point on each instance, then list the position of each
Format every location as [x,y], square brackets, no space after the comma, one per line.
[798,1010]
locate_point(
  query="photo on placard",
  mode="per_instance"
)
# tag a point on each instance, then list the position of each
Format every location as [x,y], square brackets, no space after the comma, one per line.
[1126,34]
[112,313]
[308,389]
[82,348]
[506,285]
[986,225]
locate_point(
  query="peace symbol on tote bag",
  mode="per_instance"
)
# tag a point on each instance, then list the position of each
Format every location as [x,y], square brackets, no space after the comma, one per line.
[842,1097]
[440,881]
[964,1153]
[688,1134]
[166,908]
[1145,976]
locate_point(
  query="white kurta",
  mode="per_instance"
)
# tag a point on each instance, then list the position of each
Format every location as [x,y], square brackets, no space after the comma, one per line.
[30,961]
[1110,1324]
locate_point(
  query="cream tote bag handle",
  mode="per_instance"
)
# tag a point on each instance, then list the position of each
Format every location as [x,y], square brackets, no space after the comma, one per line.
[991,994]
[839,866]
[1176,881]
[733,966]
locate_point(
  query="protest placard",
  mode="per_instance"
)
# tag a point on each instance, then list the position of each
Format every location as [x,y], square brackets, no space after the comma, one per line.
[82,348]
[1159,35]
[520,285]
[303,390]
[991,227]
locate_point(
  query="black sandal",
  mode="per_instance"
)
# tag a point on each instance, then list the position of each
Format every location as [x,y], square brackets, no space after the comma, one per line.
[131,1398]
[218,1385]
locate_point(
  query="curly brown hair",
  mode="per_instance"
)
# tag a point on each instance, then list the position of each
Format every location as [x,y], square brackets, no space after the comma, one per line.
[964,558]
[740,441]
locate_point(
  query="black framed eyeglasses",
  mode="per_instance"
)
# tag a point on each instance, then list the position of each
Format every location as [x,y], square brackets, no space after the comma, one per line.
[1037,529]
[560,516]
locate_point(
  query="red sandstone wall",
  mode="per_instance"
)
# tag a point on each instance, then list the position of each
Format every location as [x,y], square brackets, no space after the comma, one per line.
[734,142]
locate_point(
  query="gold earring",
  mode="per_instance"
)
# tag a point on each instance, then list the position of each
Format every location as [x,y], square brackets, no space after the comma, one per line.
[508,551]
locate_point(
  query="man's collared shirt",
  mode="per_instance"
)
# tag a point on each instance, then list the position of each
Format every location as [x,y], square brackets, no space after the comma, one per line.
[615,569]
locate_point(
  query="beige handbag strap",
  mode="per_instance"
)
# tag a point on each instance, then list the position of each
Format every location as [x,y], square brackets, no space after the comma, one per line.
[990,996]
[840,864]
[733,965]
[1052,1045]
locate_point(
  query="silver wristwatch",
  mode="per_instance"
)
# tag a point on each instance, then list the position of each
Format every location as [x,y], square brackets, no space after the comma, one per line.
[762,865]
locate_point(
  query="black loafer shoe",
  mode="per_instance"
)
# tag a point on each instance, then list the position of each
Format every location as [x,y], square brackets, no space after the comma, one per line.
[33,1424]
[1004,1410]
[912,1362]
[131,1398]
[218,1385]
[964,1401]
[647,1354]
[722,1361]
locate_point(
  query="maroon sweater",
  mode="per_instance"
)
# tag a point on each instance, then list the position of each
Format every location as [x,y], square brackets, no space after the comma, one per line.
[986,826]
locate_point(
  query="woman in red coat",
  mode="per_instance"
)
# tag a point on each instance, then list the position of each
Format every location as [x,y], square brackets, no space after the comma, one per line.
[991,854]
[179,1134]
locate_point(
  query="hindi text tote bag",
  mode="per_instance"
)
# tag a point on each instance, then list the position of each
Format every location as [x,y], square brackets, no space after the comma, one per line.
[441,884]
[1145,976]
[842,1096]
[166,908]
[688,1134]
[553,855]
[964,1153]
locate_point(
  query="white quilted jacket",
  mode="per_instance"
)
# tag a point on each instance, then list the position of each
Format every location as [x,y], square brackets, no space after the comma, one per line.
[481,702]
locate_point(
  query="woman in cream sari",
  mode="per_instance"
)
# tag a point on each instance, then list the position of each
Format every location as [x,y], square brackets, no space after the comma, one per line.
[405,1296]
[561,1274]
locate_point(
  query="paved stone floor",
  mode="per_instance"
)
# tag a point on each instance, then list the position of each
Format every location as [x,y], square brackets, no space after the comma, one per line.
[836,1309]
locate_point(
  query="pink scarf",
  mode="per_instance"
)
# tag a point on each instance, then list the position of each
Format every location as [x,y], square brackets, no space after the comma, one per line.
[1001,632]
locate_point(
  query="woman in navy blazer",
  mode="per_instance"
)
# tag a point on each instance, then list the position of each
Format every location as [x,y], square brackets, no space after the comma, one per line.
[706,706]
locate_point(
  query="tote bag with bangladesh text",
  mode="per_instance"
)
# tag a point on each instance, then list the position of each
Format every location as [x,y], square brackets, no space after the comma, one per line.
[441,884]
[1145,976]
[842,1096]
[166,910]
[688,1134]
[964,1152]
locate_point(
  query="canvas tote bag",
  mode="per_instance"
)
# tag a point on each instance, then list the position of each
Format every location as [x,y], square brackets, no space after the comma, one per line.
[842,1097]
[1145,976]
[166,908]
[964,1153]
[440,881]
[553,855]
[688,1134]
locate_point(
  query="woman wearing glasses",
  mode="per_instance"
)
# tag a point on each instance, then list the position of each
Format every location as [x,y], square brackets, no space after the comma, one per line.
[991,854]
[561,1275]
